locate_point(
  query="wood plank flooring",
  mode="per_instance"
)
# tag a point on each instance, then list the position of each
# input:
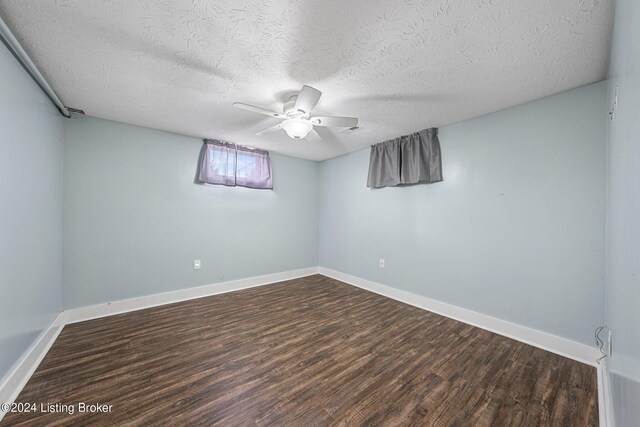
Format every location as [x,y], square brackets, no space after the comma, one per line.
[310,351]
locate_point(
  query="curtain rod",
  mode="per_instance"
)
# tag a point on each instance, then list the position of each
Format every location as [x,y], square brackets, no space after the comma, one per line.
[14,46]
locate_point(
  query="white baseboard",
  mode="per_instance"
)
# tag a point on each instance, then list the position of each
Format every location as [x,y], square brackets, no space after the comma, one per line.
[25,367]
[604,396]
[546,341]
[81,314]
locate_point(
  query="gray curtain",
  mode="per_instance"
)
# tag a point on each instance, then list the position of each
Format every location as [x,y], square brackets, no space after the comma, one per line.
[223,163]
[253,168]
[217,163]
[409,159]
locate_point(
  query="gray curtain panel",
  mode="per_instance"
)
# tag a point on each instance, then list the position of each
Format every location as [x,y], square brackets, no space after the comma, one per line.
[409,159]
[218,163]
[384,164]
[223,163]
[253,168]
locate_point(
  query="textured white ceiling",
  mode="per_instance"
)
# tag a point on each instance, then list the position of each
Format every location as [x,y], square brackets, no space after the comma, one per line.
[400,66]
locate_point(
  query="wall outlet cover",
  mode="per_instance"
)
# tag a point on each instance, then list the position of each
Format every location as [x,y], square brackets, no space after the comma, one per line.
[382,263]
[196,264]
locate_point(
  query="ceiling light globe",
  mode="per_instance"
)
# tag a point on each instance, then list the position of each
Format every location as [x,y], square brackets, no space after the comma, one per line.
[297,128]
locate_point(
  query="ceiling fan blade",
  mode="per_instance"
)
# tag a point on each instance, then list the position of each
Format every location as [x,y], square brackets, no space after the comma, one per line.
[313,136]
[338,122]
[268,130]
[257,109]
[307,99]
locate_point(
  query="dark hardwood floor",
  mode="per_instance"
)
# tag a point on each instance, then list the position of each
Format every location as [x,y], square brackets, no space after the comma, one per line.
[311,351]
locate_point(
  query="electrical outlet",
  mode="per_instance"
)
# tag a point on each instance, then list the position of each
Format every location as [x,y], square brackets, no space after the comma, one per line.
[381,263]
[610,343]
[196,264]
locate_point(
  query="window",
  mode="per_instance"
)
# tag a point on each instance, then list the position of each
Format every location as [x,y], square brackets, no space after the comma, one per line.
[228,164]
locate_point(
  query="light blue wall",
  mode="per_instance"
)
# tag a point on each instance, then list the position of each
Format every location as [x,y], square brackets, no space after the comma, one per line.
[30,211]
[134,221]
[623,215]
[515,231]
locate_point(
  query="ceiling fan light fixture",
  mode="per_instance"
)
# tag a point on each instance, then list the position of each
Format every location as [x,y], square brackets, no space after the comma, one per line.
[297,128]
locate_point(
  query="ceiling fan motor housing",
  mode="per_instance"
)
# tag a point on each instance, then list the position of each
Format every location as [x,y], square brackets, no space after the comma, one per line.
[289,109]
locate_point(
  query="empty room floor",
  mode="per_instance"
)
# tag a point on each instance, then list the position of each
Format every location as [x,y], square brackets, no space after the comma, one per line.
[309,351]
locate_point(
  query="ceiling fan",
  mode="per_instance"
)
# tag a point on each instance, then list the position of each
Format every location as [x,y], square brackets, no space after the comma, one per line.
[296,115]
